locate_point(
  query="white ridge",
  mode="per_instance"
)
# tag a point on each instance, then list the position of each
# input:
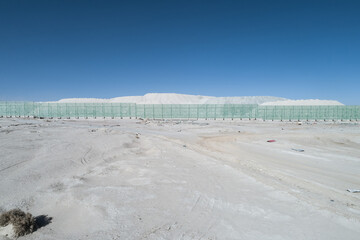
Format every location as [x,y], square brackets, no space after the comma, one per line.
[174,98]
[306,102]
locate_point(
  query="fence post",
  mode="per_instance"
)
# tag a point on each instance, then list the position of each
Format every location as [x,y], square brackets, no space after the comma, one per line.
[102,110]
[121,115]
[215,112]
[189,112]
[206,111]
[232,108]
[197,112]
[162,111]
[129,111]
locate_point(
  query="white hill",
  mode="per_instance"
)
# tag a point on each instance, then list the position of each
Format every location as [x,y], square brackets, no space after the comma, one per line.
[313,102]
[174,98]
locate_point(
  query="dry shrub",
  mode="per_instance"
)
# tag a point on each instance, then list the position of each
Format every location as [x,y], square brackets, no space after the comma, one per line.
[24,223]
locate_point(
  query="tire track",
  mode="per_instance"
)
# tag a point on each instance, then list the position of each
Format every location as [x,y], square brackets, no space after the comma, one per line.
[83,160]
[13,165]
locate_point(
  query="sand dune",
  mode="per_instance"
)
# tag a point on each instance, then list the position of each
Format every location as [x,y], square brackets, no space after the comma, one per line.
[307,102]
[174,98]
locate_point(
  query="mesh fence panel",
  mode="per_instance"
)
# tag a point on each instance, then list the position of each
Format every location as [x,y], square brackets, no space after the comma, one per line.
[178,111]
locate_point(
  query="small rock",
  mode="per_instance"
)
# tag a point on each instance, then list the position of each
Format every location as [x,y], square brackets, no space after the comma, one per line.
[298,150]
[353,190]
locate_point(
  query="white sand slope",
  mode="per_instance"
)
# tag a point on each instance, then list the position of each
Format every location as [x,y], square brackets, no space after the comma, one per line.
[313,102]
[173,98]
[182,180]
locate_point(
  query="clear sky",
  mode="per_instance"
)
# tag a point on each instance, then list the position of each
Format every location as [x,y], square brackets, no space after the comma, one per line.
[295,49]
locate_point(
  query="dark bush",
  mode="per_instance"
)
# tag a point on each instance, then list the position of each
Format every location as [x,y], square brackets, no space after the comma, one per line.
[24,223]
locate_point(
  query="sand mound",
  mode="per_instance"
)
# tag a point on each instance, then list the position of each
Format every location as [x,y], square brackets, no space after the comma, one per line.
[313,102]
[174,98]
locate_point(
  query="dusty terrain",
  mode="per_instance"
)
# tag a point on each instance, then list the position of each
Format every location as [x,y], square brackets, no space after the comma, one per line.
[135,179]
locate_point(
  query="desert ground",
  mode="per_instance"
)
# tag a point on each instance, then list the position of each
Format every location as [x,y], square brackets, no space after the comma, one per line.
[149,179]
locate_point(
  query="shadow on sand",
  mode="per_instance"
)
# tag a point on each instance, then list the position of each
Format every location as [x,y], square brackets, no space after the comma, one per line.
[42,221]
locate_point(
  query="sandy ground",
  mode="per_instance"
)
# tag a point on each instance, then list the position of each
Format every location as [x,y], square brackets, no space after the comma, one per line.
[182,180]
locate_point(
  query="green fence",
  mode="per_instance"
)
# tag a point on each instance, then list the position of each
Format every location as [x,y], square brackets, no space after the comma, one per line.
[178,111]
[67,110]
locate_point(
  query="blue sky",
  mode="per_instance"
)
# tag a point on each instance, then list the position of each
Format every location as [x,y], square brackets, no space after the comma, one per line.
[295,49]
